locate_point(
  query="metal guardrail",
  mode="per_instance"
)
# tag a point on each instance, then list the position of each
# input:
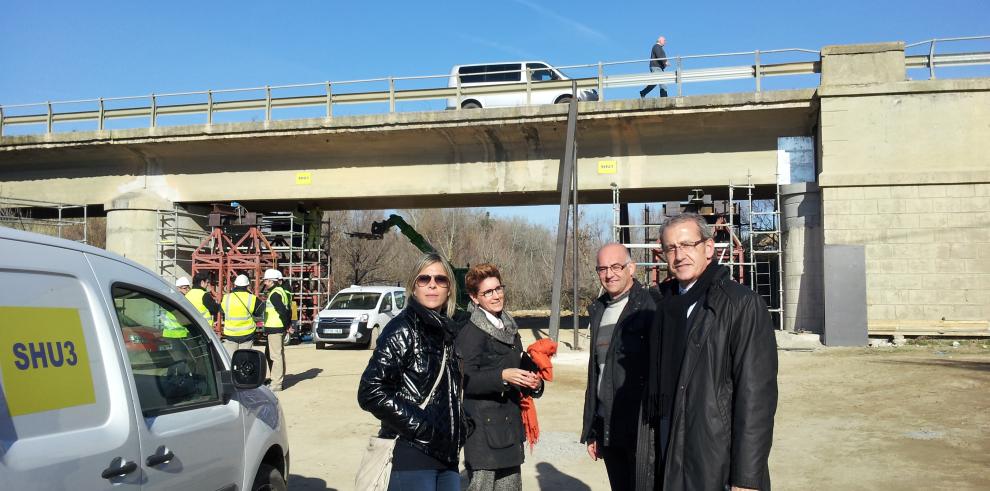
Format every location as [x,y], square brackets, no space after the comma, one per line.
[330,93]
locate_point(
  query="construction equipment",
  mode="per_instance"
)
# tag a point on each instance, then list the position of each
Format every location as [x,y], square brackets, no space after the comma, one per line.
[378,231]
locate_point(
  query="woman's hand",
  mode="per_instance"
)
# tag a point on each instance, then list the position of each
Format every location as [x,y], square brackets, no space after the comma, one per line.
[521,378]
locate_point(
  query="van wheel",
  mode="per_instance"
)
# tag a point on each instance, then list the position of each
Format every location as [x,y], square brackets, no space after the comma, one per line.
[269,479]
[564,99]
[470,105]
[320,345]
[374,337]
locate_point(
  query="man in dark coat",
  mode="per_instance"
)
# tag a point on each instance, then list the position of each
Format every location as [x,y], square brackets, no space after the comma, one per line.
[617,367]
[658,63]
[713,382]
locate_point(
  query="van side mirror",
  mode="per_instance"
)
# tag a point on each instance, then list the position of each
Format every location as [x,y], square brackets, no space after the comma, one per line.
[249,368]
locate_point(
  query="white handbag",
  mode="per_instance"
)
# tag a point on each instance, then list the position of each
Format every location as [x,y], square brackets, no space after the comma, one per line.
[376,465]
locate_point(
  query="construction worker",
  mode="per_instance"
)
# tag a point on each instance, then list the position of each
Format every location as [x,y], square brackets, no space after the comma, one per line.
[182,284]
[277,318]
[171,327]
[199,296]
[240,308]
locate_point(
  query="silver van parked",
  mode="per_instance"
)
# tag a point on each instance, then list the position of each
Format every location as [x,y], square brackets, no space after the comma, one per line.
[109,379]
[533,84]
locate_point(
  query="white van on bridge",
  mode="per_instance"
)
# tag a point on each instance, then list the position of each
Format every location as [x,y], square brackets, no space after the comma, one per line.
[532,81]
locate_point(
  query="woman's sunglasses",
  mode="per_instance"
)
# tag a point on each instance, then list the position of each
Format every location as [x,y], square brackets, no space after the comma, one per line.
[424,280]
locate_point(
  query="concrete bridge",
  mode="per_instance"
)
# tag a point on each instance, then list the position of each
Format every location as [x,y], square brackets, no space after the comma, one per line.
[902,169]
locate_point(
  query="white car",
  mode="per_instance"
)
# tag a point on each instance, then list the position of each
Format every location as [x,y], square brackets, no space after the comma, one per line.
[356,314]
[111,380]
[514,72]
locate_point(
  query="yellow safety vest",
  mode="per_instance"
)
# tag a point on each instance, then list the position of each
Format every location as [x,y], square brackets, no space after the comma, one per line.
[195,297]
[172,328]
[295,311]
[237,309]
[272,319]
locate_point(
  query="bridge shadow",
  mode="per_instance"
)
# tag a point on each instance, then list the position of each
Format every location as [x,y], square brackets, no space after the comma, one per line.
[978,366]
[303,483]
[549,477]
[540,327]
[294,378]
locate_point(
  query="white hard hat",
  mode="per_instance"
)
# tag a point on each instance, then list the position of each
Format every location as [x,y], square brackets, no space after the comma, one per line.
[182,281]
[273,274]
[241,280]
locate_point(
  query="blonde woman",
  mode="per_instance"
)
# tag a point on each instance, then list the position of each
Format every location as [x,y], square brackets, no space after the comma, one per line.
[406,364]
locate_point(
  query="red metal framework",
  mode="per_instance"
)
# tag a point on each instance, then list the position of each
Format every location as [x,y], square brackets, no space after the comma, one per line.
[224,259]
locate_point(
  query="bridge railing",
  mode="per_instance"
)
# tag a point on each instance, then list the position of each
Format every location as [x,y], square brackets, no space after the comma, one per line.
[603,76]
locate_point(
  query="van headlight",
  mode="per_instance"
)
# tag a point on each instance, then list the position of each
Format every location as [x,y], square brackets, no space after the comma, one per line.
[364,318]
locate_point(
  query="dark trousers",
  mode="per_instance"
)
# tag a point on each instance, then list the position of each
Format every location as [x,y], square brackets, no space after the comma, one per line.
[424,480]
[620,464]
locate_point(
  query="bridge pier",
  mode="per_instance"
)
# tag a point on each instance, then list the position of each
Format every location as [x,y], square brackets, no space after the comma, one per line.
[801,212]
[132,226]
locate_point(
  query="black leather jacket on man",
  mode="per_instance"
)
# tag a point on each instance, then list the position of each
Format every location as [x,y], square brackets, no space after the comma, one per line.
[722,420]
[625,369]
[401,373]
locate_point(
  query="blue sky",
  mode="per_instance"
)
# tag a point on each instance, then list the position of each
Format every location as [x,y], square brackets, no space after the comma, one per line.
[62,50]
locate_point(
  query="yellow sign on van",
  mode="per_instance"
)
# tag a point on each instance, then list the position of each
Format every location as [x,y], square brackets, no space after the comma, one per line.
[43,359]
[304,178]
[607,166]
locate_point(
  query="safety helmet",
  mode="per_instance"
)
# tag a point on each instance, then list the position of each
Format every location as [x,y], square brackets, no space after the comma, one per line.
[242,280]
[273,274]
[182,281]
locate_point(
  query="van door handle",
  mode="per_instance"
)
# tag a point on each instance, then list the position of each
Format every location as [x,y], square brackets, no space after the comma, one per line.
[159,458]
[120,470]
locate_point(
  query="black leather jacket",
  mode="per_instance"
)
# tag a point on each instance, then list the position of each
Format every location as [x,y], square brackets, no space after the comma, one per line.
[401,372]
[722,421]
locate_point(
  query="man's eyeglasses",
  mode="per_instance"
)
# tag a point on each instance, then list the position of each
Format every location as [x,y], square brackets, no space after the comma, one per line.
[424,280]
[498,289]
[682,247]
[615,268]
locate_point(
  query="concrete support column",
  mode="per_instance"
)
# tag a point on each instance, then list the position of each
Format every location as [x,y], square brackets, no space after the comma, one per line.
[132,226]
[801,210]
[860,64]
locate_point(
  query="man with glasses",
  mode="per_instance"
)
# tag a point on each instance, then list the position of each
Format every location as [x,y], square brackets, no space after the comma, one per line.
[620,322]
[713,373]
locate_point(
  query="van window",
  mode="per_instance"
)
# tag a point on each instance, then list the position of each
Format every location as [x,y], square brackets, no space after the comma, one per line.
[387,303]
[354,301]
[539,72]
[170,356]
[400,300]
[488,73]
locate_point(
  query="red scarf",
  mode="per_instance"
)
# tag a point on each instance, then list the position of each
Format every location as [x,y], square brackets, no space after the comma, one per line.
[541,351]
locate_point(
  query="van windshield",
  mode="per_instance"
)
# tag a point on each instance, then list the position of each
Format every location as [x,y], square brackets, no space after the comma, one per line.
[354,301]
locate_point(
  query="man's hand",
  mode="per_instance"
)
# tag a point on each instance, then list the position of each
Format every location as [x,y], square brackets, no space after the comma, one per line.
[593,450]
[737,488]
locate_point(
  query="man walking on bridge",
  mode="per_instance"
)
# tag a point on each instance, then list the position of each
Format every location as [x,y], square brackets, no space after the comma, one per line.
[658,63]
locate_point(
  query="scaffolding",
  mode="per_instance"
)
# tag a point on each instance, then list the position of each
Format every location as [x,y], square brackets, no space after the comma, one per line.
[748,239]
[304,263]
[176,243]
[45,217]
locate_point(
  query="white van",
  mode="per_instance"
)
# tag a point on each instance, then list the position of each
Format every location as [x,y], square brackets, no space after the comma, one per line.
[356,315]
[540,76]
[109,379]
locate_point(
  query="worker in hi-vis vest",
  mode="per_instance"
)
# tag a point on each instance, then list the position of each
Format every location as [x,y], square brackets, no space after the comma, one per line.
[199,296]
[277,318]
[240,308]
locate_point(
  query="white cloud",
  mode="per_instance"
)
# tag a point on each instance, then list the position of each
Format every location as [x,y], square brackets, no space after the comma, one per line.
[583,29]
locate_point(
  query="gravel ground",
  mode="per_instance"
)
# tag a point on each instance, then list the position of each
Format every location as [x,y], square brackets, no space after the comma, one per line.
[912,417]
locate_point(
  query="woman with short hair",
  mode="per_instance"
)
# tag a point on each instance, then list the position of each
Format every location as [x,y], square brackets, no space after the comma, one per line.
[491,349]
[407,362]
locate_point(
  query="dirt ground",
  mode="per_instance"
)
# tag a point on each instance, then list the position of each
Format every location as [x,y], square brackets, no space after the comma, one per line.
[912,417]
